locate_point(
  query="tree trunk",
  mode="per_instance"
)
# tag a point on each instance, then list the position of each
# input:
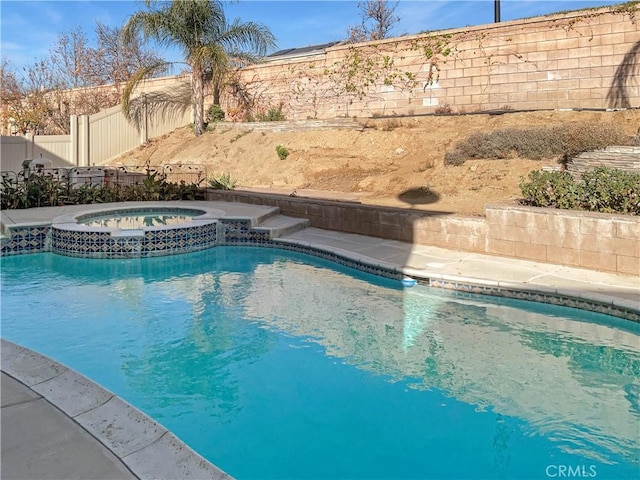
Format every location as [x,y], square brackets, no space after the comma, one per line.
[216,82]
[216,93]
[198,100]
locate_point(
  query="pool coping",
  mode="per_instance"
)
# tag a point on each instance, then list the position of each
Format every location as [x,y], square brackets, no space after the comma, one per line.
[144,446]
[251,217]
[72,221]
[600,303]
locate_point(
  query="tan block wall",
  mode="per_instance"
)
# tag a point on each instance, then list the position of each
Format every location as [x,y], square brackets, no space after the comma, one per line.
[578,239]
[574,60]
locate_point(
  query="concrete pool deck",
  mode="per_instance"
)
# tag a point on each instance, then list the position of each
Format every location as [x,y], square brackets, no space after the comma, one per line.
[58,424]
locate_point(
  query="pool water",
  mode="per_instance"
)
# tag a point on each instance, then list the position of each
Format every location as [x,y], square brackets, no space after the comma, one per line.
[278,365]
[130,221]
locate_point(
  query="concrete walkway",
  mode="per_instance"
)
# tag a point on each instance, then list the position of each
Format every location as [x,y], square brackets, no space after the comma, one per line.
[58,424]
[40,440]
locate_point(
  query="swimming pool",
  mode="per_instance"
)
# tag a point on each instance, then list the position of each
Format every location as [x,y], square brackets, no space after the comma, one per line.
[273,364]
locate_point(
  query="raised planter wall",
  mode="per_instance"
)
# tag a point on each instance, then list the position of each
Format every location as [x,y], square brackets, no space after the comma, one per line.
[621,157]
[579,239]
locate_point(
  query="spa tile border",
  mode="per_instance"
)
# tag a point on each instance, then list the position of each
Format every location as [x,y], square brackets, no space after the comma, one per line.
[241,232]
[148,243]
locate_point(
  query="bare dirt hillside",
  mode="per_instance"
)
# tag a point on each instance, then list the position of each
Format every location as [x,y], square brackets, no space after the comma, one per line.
[397,162]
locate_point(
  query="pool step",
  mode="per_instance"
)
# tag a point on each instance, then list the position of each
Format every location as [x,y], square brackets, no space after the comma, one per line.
[280,225]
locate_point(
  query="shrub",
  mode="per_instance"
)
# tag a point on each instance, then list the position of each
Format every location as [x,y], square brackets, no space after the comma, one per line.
[390,125]
[215,113]
[274,114]
[445,108]
[564,142]
[602,189]
[551,189]
[609,190]
[282,152]
[45,191]
[222,182]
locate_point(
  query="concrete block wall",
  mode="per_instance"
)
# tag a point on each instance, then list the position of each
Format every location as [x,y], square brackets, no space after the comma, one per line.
[580,59]
[578,239]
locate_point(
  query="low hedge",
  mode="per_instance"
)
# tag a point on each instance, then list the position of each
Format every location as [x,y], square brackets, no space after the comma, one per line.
[602,189]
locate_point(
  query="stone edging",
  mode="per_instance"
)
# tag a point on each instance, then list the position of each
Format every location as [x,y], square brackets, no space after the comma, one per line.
[147,448]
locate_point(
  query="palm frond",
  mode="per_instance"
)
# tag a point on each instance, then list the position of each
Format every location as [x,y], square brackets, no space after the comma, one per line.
[251,36]
[135,80]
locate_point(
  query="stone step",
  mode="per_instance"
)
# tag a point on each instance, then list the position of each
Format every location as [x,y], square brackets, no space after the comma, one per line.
[280,225]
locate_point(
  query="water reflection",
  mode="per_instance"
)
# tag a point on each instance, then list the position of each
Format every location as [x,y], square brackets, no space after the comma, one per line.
[158,321]
[574,381]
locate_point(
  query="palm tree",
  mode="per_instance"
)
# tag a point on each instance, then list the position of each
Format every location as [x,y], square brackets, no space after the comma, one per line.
[209,44]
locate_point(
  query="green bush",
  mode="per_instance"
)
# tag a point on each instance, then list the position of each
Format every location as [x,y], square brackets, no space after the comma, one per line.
[222,182]
[44,191]
[282,152]
[563,142]
[602,189]
[551,189]
[610,190]
[274,114]
[215,114]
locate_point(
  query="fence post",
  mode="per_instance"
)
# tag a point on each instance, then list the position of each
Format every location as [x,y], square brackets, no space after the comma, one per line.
[73,138]
[83,141]
[29,146]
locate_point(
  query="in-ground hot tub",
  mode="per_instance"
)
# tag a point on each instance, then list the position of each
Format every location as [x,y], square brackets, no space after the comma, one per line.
[133,232]
[137,219]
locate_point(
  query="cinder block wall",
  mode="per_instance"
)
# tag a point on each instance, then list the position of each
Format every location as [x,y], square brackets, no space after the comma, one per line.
[579,239]
[582,59]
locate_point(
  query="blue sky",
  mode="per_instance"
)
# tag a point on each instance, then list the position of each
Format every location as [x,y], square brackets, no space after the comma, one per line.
[30,29]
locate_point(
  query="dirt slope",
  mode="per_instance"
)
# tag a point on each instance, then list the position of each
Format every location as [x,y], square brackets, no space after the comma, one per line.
[395,162]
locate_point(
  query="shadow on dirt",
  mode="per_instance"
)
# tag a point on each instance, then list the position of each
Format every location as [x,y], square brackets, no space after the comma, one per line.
[419,196]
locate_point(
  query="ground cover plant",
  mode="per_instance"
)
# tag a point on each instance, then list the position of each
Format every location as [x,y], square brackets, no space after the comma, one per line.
[559,141]
[602,189]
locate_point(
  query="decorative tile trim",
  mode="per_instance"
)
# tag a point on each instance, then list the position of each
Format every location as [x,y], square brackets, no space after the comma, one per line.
[320,253]
[23,240]
[143,243]
[235,232]
[540,297]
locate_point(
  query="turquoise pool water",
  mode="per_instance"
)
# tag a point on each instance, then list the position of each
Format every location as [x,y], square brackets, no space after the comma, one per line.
[277,365]
[138,220]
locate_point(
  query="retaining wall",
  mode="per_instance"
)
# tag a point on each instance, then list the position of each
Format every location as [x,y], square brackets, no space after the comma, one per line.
[579,239]
[620,157]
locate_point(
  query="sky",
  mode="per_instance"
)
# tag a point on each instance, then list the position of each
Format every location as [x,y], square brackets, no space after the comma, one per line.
[29,29]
